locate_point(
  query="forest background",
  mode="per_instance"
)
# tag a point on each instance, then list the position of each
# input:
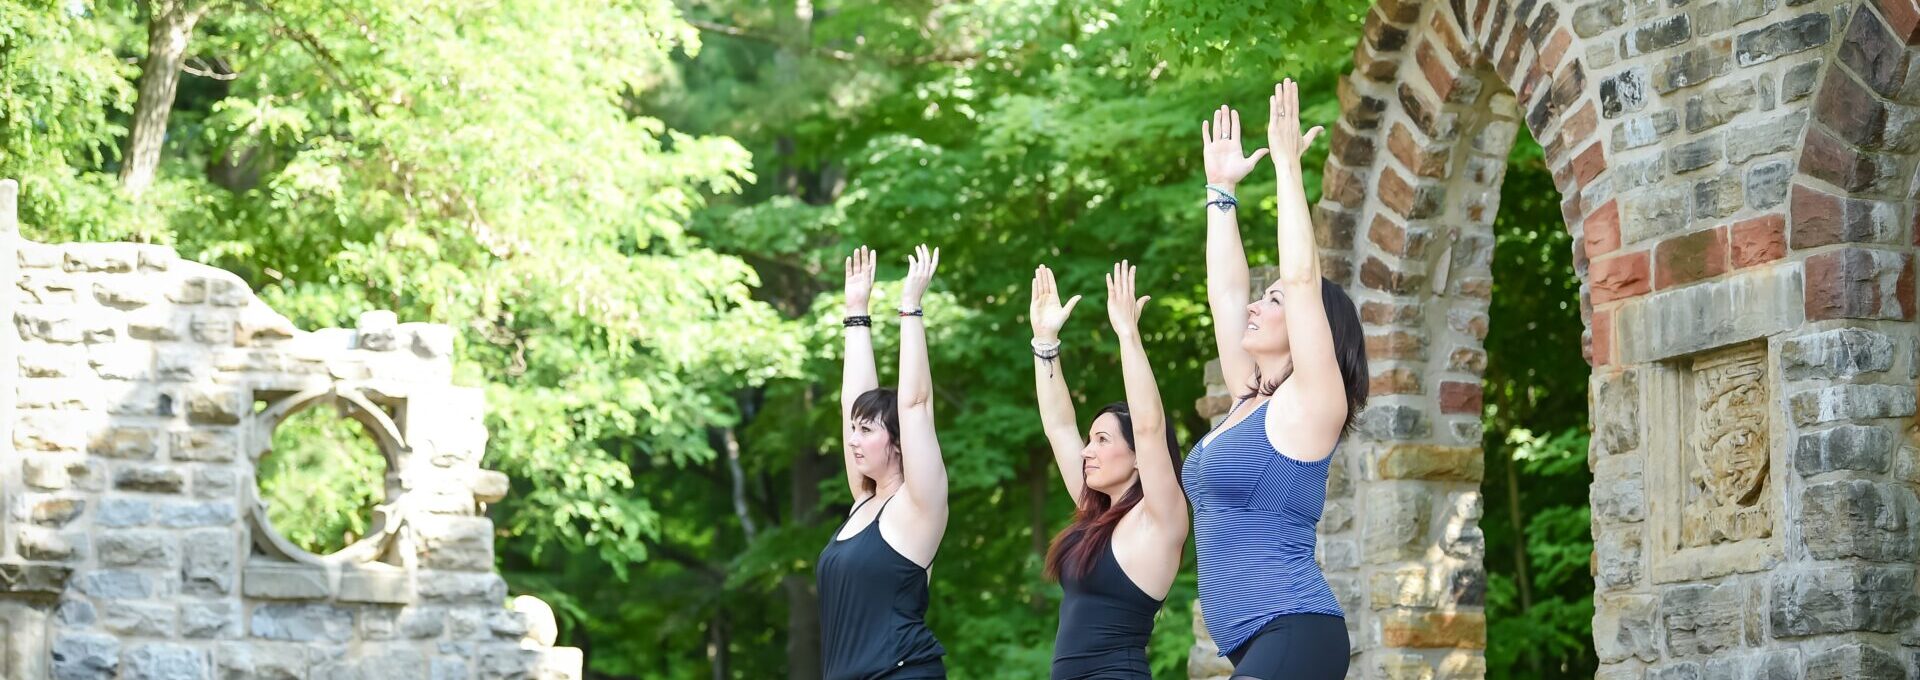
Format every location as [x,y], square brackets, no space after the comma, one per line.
[634,214]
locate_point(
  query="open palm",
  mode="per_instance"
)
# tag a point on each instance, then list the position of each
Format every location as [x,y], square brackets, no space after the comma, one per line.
[1225,161]
[1045,312]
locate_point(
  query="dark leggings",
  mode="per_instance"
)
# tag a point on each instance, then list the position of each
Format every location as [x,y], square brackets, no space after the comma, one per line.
[1303,646]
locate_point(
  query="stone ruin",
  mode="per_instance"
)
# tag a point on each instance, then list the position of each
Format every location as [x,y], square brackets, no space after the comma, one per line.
[1740,181]
[142,391]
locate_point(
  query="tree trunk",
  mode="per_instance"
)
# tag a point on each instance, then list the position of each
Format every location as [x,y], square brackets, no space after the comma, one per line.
[719,638]
[803,603]
[1524,580]
[169,29]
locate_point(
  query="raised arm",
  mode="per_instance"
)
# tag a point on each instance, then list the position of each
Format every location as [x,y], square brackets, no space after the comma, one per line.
[1316,374]
[1050,379]
[1166,503]
[1226,261]
[857,375]
[920,461]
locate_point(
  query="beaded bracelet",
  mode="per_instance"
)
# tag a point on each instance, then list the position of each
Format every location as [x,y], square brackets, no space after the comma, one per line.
[857,320]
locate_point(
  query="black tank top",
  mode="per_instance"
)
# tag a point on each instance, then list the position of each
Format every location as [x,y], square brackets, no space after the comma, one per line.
[1105,621]
[873,609]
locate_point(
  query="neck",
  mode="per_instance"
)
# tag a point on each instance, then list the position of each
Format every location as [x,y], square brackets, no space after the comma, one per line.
[885,487]
[1274,368]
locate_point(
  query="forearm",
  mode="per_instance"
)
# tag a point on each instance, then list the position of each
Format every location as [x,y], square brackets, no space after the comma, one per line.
[916,378]
[1299,255]
[1143,394]
[1050,386]
[1226,257]
[858,375]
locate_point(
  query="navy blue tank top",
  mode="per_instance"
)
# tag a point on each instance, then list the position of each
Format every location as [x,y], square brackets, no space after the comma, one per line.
[873,609]
[1105,621]
[1255,515]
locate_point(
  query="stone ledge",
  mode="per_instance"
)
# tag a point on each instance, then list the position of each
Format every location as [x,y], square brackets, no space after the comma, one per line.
[1748,305]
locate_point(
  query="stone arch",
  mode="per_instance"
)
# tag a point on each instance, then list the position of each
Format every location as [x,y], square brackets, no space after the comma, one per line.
[1748,294]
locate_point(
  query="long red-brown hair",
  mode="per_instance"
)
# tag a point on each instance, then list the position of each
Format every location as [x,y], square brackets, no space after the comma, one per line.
[1076,547]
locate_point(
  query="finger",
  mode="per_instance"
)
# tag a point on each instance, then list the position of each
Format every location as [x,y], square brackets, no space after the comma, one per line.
[1236,124]
[1313,134]
[936,262]
[1140,306]
[849,267]
[1068,310]
[1206,132]
[1257,154]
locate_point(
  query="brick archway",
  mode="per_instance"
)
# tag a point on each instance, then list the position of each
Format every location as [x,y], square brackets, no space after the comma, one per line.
[1748,293]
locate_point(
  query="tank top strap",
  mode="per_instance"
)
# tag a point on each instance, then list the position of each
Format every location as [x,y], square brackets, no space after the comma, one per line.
[849,517]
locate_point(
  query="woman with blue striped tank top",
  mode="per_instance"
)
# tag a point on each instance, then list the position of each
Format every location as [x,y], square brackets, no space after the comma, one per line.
[1258,482]
[1119,557]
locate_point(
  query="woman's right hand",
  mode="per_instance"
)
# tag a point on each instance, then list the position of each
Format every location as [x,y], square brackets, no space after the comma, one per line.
[1221,150]
[1045,312]
[859,280]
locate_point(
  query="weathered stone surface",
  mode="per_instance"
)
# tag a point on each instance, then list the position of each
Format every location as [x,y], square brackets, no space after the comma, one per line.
[1396,522]
[1850,402]
[1858,518]
[1737,308]
[1623,628]
[204,445]
[148,479]
[1423,461]
[1859,283]
[1466,630]
[216,406]
[185,515]
[83,656]
[1821,600]
[277,581]
[1618,493]
[1619,558]
[1702,619]
[135,548]
[210,566]
[301,623]
[237,661]
[137,620]
[116,585]
[1841,353]
[1856,661]
[1862,448]
[1718,105]
[209,619]
[456,587]
[1798,34]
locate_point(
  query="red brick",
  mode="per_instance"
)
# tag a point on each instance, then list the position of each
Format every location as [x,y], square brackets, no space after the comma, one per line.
[1847,107]
[1406,199]
[1411,153]
[1821,219]
[1386,314]
[1826,157]
[1399,11]
[1475,325]
[1394,381]
[1589,164]
[1758,241]
[1601,230]
[1480,288]
[1380,276]
[1333,228]
[1555,49]
[1620,276]
[1396,345]
[1449,37]
[1353,150]
[1459,397]
[1848,283]
[1343,186]
[1391,236]
[1382,34]
[1369,65]
[1579,126]
[1684,259]
[1600,348]
[1903,16]
[1439,74]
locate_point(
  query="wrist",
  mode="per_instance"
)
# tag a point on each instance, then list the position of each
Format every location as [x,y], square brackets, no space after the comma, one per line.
[856,309]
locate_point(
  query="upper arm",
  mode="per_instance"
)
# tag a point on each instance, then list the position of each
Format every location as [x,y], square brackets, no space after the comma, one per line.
[920,459]
[1229,326]
[1316,401]
[1067,445]
[1165,501]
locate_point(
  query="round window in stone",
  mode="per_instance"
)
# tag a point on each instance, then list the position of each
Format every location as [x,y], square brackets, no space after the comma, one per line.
[323,468]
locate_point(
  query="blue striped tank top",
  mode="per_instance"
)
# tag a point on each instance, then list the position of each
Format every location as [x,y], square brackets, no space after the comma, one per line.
[1254,518]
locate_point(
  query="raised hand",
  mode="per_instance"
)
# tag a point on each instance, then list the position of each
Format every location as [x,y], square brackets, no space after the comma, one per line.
[859,280]
[920,266]
[1283,123]
[1123,309]
[1221,150]
[1045,312]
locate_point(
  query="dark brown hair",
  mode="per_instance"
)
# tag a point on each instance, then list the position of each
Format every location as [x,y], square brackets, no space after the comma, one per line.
[1076,547]
[882,405]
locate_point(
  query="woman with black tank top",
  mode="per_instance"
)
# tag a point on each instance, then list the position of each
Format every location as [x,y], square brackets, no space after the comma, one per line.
[1258,482]
[873,574]
[1118,558]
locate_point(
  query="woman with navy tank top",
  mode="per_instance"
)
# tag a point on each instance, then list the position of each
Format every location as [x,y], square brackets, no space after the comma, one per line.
[1258,482]
[1117,559]
[872,576]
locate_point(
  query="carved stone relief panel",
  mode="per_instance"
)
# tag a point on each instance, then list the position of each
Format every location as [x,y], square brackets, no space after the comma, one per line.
[1712,432]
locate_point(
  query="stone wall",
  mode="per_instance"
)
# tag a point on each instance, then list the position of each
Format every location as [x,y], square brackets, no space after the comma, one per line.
[142,390]
[1740,180]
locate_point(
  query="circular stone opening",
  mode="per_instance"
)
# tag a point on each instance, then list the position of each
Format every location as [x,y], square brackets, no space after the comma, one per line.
[321,479]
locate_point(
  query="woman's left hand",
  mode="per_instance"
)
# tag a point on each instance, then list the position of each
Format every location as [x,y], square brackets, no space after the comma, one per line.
[1283,123]
[1123,310]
